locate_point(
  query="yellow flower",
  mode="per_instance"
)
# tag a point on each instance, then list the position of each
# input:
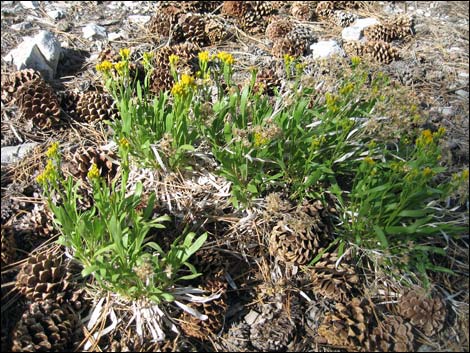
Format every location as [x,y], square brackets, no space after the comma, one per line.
[347,89]
[288,60]
[125,53]
[187,80]
[94,172]
[104,66]
[369,161]
[178,89]
[440,132]
[173,59]
[47,174]
[226,58]
[203,56]
[124,142]
[260,139]
[52,151]
[355,60]
[465,174]
[427,172]
[147,57]
[119,67]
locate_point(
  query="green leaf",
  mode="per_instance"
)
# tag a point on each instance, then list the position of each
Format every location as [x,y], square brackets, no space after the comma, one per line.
[196,245]
[88,270]
[414,213]
[252,188]
[381,236]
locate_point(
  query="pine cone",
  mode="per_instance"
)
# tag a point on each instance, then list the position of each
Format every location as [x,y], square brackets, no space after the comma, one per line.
[68,103]
[94,106]
[46,326]
[299,237]
[215,31]
[343,18]
[302,10]
[347,326]
[237,338]
[384,32]
[381,52]
[404,25]
[162,22]
[255,17]
[161,80]
[285,46]
[302,35]
[211,263]
[38,103]
[83,159]
[278,29]
[427,314]
[266,81]
[215,310]
[12,82]
[234,8]
[354,48]
[109,54]
[38,221]
[8,245]
[43,277]
[325,9]
[336,283]
[274,328]
[191,28]
[392,335]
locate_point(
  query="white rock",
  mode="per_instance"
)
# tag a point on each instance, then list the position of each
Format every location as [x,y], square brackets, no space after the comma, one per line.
[139,19]
[93,31]
[49,47]
[463,74]
[365,22]
[56,14]
[325,49]
[354,32]
[462,93]
[351,33]
[21,26]
[115,35]
[251,317]
[12,154]
[30,4]
[28,56]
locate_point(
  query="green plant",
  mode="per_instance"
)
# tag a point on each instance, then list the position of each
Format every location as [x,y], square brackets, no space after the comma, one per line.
[112,240]
[393,205]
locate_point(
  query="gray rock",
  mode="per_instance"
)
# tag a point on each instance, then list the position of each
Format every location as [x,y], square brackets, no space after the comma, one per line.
[93,31]
[351,33]
[12,154]
[446,111]
[28,56]
[30,4]
[21,26]
[56,14]
[251,317]
[49,47]
[139,19]
[365,22]
[325,49]
[462,93]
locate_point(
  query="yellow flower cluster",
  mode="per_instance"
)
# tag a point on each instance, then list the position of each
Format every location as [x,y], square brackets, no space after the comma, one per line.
[124,142]
[173,59]
[260,139]
[183,86]
[369,160]
[203,56]
[47,174]
[120,67]
[427,172]
[52,152]
[355,60]
[226,58]
[347,89]
[331,101]
[104,66]
[94,172]
[125,53]
[147,58]
[288,60]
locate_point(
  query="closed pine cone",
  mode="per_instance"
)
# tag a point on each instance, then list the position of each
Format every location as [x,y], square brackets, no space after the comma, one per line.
[45,326]
[95,106]
[347,325]
[278,29]
[38,103]
[392,334]
[12,82]
[426,313]
[331,281]
[214,309]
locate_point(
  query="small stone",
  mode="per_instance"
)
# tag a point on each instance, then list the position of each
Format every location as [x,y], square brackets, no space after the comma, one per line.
[64,26]
[12,154]
[93,31]
[56,14]
[30,4]
[325,49]
[446,111]
[462,93]
[49,47]
[351,33]
[139,19]
[251,317]
[365,22]
[463,75]
[21,26]
[28,56]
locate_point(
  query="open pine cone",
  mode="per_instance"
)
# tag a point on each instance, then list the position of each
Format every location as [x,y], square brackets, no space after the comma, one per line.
[392,334]
[299,237]
[381,51]
[214,309]
[347,325]
[325,9]
[38,221]
[303,10]
[254,16]
[44,276]
[425,313]
[162,22]
[95,106]
[38,103]
[45,326]
[191,28]
[12,82]
[278,29]
[331,281]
